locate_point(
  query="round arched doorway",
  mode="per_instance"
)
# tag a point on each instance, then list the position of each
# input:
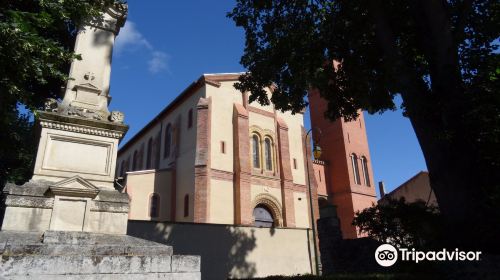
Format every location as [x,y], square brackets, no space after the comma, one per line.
[263,217]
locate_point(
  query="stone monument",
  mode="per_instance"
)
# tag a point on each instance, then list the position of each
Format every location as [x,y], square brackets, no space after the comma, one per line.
[68,221]
[72,187]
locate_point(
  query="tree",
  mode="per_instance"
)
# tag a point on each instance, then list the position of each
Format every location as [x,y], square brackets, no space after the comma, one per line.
[406,225]
[441,56]
[36,49]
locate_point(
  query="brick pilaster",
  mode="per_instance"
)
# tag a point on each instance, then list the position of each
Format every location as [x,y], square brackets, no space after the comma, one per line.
[241,139]
[173,195]
[286,174]
[202,163]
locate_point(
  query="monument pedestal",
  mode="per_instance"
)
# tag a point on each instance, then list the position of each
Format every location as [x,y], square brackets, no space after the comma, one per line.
[72,186]
[77,145]
[40,206]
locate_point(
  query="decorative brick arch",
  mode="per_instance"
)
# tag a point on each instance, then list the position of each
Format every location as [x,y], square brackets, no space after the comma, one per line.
[272,204]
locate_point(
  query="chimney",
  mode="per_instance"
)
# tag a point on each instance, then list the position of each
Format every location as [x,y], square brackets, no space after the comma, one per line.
[381,188]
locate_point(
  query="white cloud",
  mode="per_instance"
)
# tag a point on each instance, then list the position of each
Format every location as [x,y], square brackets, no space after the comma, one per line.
[130,39]
[158,62]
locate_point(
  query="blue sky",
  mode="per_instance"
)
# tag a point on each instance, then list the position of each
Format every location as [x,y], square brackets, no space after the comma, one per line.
[166,45]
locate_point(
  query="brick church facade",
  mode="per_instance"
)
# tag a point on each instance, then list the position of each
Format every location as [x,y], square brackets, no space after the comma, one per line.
[212,157]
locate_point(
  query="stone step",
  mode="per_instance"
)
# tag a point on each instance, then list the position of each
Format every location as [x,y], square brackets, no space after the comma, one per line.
[87,238]
[54,243]
[164,276]
[84,250]
[38,265]
[78,255]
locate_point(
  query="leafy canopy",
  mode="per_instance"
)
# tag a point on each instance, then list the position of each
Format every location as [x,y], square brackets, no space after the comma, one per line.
[296,45]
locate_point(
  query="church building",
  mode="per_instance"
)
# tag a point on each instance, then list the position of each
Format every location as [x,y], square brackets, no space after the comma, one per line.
[212,157]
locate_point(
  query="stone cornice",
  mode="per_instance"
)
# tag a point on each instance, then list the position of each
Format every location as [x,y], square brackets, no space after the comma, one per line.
[76,120]
[81,129]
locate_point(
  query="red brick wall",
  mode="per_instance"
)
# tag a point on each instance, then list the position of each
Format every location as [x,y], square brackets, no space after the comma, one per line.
[202,163]
[338,140]
[286,174]
[319,174]
[243,211]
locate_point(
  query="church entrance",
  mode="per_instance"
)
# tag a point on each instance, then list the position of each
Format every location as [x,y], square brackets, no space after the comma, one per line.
[262,216]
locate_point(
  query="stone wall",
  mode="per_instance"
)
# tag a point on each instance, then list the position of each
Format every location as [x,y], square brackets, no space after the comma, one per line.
[234,251]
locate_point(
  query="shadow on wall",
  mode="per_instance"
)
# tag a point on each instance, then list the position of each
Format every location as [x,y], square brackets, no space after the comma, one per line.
[223,258]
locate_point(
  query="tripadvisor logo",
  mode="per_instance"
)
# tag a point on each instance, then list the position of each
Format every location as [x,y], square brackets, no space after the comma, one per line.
[387,255]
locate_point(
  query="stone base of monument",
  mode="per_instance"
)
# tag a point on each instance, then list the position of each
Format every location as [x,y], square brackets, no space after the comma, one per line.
[82,255]
[72,204]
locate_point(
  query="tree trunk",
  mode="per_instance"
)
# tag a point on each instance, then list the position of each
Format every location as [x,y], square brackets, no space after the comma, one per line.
[454,163]
[454,178]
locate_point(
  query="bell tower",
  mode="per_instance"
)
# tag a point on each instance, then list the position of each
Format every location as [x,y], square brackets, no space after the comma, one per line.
[348,171]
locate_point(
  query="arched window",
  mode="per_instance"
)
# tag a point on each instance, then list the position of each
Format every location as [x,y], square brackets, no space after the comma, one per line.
[355,169]
[134,161]
[262,216]
[168,141]
[186,205]
[256,151]
[190,118]
[268,154]
[364,166]
[154,205]
[149,154]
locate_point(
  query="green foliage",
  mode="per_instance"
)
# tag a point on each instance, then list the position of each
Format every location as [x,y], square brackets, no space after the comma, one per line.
[294,45]
[19,148]
[36,48]
[407,225]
